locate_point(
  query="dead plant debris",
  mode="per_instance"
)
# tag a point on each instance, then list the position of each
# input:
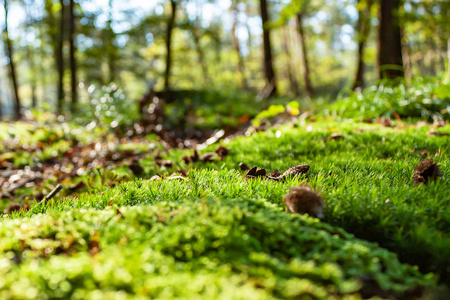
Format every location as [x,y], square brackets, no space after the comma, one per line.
[136,168]
[335,137]
[437,133]
[244,166]
[276,175]
[13,207]
[426,171]
[304,200]
[222,152]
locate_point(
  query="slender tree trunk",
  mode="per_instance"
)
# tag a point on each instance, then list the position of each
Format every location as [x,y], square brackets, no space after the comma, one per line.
[73,61]
[268,63]
[448,57]
[1,104]
[200,55]
[249,30]
[363,28]
[236,44]
[306,74]
[111,37]
[60,58]
[12,68]
[406,58]
[293,85]
[390,61]
[170,26]
[30,57]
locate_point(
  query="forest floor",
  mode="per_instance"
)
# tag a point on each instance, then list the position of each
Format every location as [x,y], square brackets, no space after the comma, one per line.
[137,218]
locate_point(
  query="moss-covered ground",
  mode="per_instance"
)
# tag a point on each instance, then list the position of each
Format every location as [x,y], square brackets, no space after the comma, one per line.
[207,233]
[214,235]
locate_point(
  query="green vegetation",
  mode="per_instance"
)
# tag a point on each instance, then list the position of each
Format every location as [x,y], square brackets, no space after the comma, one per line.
[206,248]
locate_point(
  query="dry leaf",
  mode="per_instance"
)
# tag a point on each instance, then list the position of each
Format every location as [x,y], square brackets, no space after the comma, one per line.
[208,157]
[303,200]
[13,207]
[222,152]
[426,171]
[335,137]
[295,171]
[244,166]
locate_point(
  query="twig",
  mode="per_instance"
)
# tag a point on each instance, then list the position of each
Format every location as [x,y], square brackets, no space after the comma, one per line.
[51,194]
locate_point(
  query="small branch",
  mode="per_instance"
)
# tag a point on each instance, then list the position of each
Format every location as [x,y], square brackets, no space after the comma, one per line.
[51,194]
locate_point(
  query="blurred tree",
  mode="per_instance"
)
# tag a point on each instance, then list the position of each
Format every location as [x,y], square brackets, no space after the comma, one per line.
[73,61]
[306,73]
[293,85]
[60,58]
[390,60]
[268,63]
[29,23]
[362,28]
[109,37]
[196,31]
[170,27]
[11,63]
[236,44]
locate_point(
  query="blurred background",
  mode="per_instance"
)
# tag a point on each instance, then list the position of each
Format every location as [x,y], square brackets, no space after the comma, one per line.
[55,55]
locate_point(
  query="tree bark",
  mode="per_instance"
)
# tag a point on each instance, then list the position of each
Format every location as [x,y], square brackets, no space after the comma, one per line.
[268,63]
[249,30]
[293,85]
[170,26]
[390,61]
[363,28]
[60,59]
[236,44]
[306,74]
[30,57]
[73,61]
[12,68]
[200,55]
[110,39]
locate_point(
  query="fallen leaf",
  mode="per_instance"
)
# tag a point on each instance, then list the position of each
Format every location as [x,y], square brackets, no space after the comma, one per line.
[94,245]
[275,173]
[136,168]
[244,119]
[303,200]
[295,171]
[13,207]
[155,178]
[335,137]
[436,133]
[426,171]
[243,166]
[222,152]
[208,157]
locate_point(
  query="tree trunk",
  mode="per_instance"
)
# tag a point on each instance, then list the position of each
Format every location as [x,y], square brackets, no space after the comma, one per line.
[292,80]
[236,44]
[200,55]
[363,28]
[112,51]
[73,61]
[306,75]
[60,58]
[198,47]
[12,67]
[268,64]
[249,30]
[170,26]
[448,57]
[30,57]
[390,61]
